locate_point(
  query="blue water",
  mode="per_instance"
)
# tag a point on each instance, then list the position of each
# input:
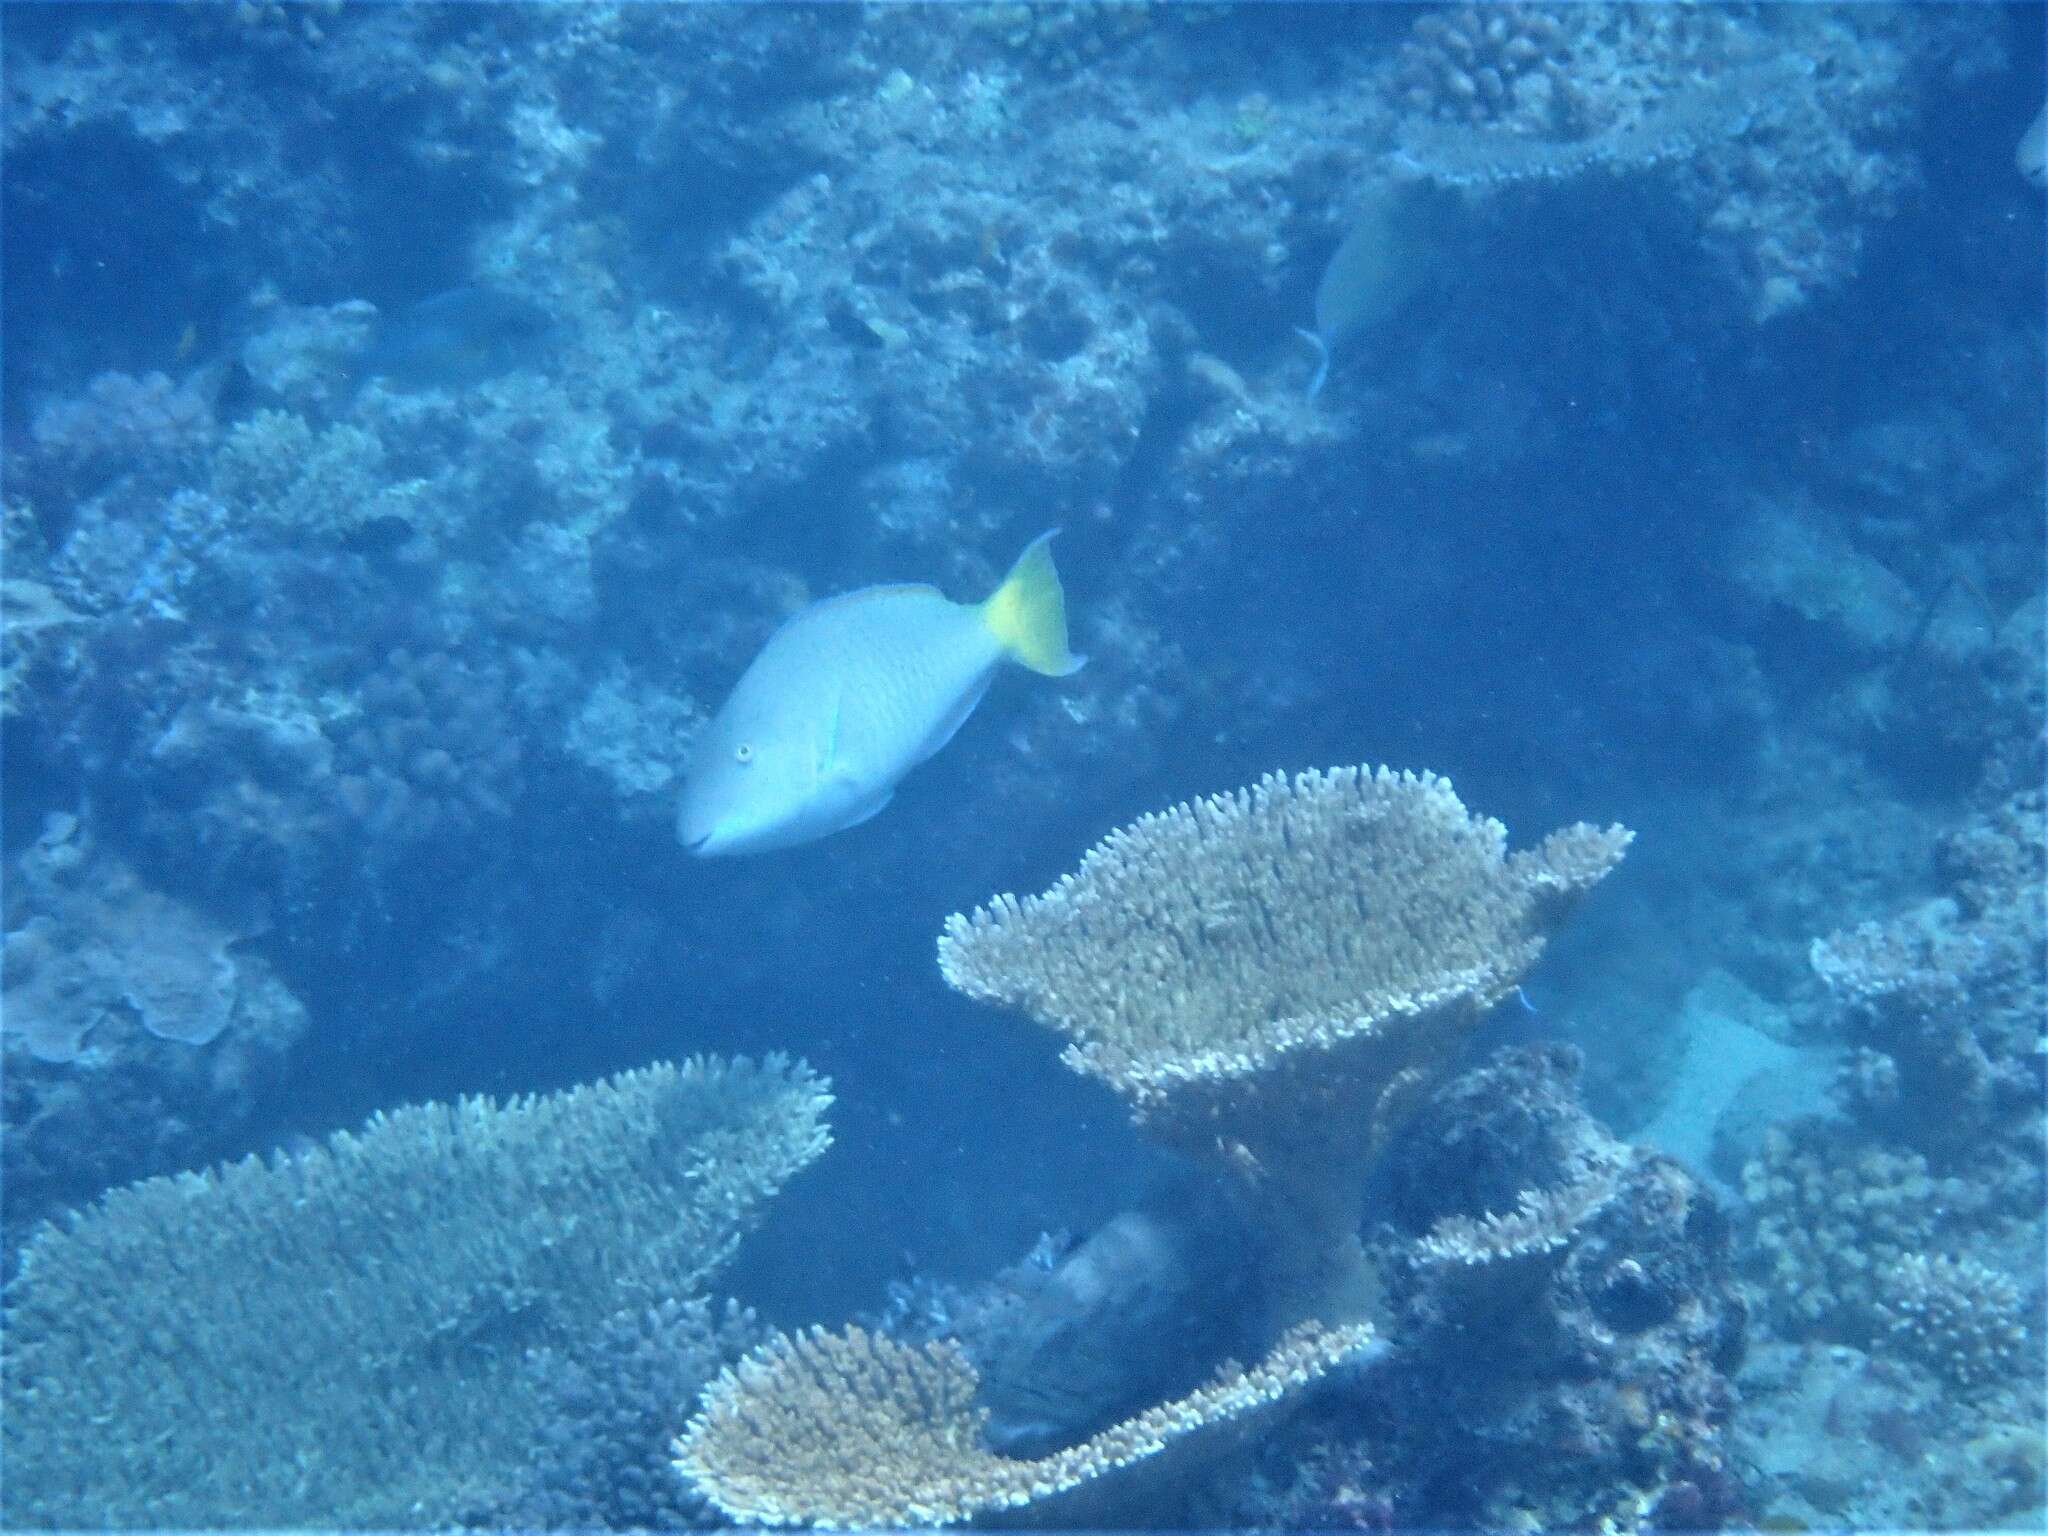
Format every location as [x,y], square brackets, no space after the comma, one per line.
[415,418]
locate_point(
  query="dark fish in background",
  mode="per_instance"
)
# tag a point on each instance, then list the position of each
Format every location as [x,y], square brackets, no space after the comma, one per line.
[456,339]
[1393,252]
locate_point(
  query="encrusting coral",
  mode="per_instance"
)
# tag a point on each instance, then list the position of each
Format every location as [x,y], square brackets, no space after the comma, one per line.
[99,950]
[139,1032]
[854,1430]
[340,1337]
[1271,977]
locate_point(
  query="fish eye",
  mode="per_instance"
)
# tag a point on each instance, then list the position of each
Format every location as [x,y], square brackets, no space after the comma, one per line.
[743,753]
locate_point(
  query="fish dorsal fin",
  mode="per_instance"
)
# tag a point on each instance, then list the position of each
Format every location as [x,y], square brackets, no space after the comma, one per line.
[860,595]
[845,614]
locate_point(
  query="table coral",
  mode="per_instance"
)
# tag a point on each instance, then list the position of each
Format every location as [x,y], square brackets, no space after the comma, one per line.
[1270,977]
[341,1336]
[853,1431]
[615,1401]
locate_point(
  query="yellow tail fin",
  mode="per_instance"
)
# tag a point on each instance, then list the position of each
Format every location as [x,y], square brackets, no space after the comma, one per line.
[1028,613]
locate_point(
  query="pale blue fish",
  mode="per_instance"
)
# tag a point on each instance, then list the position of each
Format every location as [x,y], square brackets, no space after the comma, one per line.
[852,693]
[457,339]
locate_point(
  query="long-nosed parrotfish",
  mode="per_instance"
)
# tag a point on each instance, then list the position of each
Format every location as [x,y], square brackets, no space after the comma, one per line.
[1378,267]
[852,693]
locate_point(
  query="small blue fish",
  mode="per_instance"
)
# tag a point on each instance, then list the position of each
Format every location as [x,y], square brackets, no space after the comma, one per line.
[850,695]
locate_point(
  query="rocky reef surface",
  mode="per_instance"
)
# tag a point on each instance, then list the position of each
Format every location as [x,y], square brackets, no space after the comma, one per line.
[420,414]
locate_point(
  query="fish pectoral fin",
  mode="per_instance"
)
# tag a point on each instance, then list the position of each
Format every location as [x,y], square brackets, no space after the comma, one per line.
[828,744]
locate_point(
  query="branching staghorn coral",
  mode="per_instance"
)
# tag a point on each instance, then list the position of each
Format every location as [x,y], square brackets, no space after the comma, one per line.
[1270,977]
[338,1338]
[853,1430]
